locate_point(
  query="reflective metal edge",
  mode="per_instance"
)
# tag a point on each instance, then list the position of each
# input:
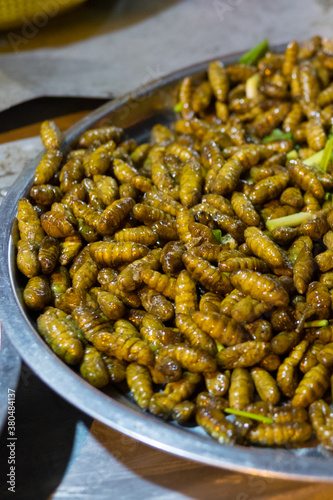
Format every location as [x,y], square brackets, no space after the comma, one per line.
[151,101]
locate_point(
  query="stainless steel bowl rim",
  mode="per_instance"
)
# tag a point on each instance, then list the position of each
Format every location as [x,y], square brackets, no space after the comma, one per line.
[307,464]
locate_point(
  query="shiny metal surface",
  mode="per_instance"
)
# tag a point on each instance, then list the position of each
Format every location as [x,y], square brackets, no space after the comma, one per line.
[136,112]
[10,366]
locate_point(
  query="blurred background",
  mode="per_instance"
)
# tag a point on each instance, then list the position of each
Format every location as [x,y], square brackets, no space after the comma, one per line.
[61,61]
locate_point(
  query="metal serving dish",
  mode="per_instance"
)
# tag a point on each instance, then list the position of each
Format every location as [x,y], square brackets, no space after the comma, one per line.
[136,112]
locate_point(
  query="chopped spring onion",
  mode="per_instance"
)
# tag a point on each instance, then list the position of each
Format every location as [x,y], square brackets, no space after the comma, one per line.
[217,233]
[252,86]
[316,324]
[247,414]
[314,159]
[256,53]
[328,196]
[277,134]
[219,346]
[178,107]
[292,155]
[289,220]
[327,155]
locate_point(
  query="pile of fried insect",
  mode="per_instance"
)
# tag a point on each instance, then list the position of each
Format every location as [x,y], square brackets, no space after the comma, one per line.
[198,266]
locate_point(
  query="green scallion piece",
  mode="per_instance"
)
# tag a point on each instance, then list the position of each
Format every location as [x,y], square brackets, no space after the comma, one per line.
[178,107]
[314,159]
[292,155]
[247,414]
[256,53]
[327,155]
[252,86]
[328,196]
[316,324]
[219,346]
[277,134]
[217,233]
[293,220]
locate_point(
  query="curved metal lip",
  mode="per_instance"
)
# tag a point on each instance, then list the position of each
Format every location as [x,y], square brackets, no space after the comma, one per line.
[306,464]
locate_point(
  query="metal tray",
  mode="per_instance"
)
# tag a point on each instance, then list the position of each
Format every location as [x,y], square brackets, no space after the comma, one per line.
[137,113]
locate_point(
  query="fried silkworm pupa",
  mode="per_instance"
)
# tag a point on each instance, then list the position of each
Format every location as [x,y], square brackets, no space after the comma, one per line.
[196,337]
[304,268]
[46,194]
[48,254]
[50,135]
[321,419]
[37,293]
[27,258]
[219,80]
[325,355]
[186,300]
[268,189]
[264,248]
[93,369]
[155,303]
[123,346]
[249,309]
[261,287]
[190,358]
[303,177]
[217,383]
[162,404]
[229,302]
[241,390]
[183,412]
[60,281]
[61,338]
[157,334]
[113,254]
[225,330]
[96,137]
[244,209]
[209,276]
[112,306]
[279,434]
[141,234]
[265,385]
[287,375]
[98,162]
[191,183]
[318,296]
[69,248]
[29,224]
[57,225]
[140,383]
[47,167]
[260,329]
[116,368]
[227,177]
[312,386]
[113,215]
[214,422]
[243,355]
[130,277]
[210,302]
[162,283]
